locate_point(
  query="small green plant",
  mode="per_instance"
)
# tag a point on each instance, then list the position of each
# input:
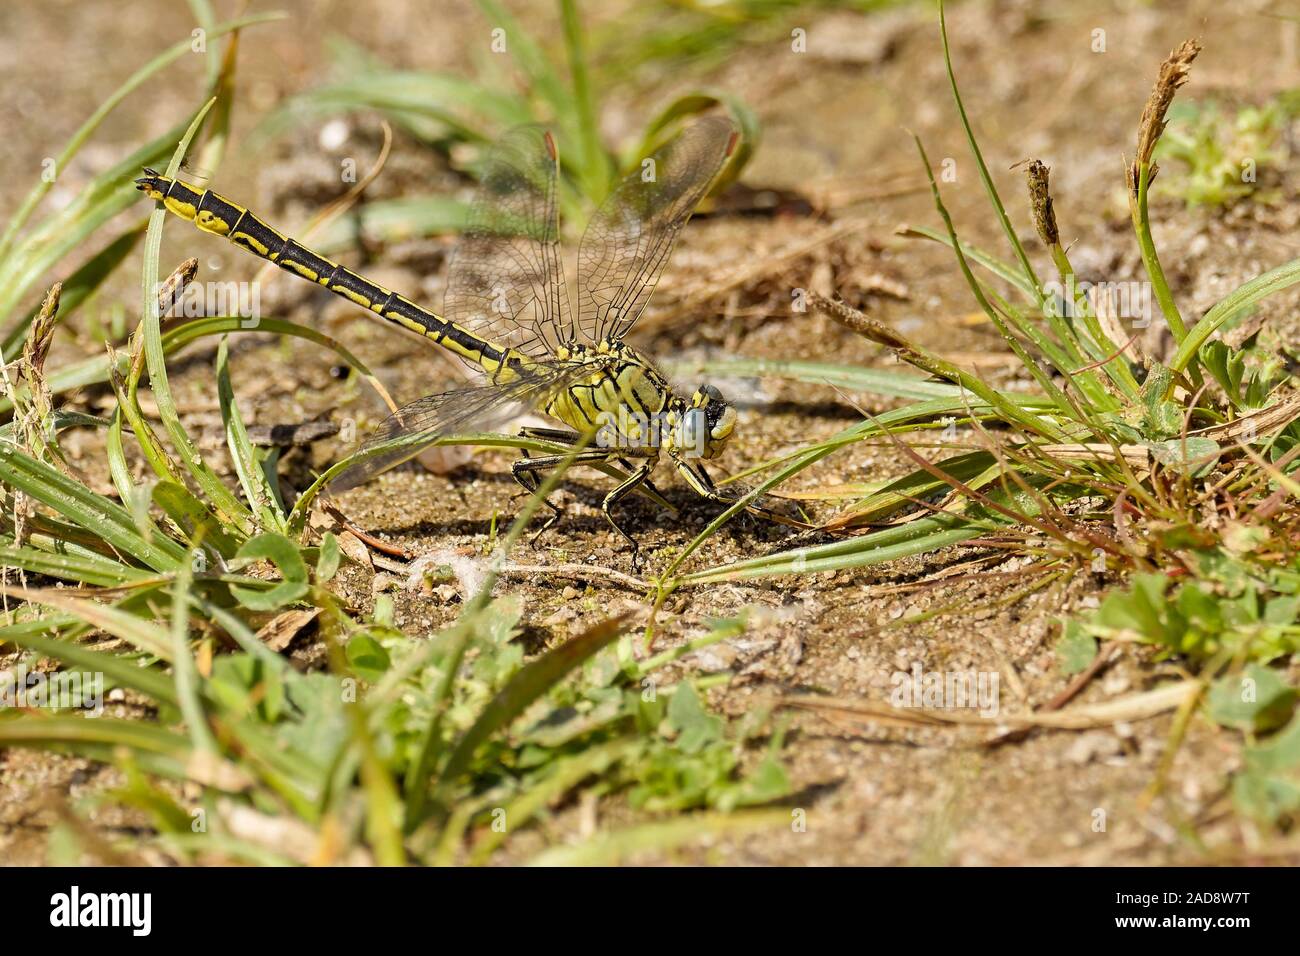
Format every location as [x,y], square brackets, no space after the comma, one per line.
[1267,788]
[1257,702]
[1231,609]
[1222,153]
[400,750]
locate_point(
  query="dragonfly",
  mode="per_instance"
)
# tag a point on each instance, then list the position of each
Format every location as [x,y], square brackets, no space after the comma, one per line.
[507,314]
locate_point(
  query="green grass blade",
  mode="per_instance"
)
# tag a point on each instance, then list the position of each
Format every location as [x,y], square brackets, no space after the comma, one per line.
[82,284]
[221,84]
[876,381]
[1242,297]
[135,630]
[694,104]
[206,20]
[128,407]
[242,635]
[94,570]
[182,335]
[118,468]
[256,484]
[923,536]
[544,79]
[788,466]
[120,670]
[994,199]
[95,371]
[432,107]
[612,849]
[68,230]
[1151,259]
[992,263]
[1040,375]
[919,484]
[594,171]
[81,735]
[86,509]
[929,533]
[184,674]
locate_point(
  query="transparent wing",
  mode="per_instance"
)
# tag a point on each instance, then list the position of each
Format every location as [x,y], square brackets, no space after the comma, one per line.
[629,240]
[414,427]
[506,279]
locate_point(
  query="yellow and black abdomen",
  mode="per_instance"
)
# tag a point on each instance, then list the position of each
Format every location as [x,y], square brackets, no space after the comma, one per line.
[214,213]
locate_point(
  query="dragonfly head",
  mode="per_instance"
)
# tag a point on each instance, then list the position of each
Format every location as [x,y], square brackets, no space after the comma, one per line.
[152,184]
[706,425]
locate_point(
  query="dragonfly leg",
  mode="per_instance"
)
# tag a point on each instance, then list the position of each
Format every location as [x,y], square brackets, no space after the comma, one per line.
[561,435]
[567,437]
[525,469]
[700,481]
[698,478]
[647,483]
[637,477]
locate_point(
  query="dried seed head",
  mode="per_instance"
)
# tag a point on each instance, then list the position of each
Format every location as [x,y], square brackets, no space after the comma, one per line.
[1040,198]
[172,289]
[1173,74]
[859,322]
[32,412]
[31,366]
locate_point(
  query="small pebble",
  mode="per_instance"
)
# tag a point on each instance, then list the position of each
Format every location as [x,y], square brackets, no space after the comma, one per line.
[333,135]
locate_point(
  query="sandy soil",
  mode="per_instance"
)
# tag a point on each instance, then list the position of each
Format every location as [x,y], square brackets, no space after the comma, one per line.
[834,121]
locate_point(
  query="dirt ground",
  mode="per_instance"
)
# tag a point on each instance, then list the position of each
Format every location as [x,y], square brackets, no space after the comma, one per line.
[834,127]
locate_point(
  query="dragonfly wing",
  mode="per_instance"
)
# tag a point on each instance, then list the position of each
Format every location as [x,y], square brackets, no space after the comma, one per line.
[416,426]
[629,240]
[506,278]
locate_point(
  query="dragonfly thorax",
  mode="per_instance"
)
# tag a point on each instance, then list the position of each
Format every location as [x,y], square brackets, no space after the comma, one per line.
[632,407]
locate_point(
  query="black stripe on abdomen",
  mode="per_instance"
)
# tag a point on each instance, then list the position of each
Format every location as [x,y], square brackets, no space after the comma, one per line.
[351,286]
[220,208]
[422,317]
[257,237]
[299,259]
[472,343]
[180,192]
